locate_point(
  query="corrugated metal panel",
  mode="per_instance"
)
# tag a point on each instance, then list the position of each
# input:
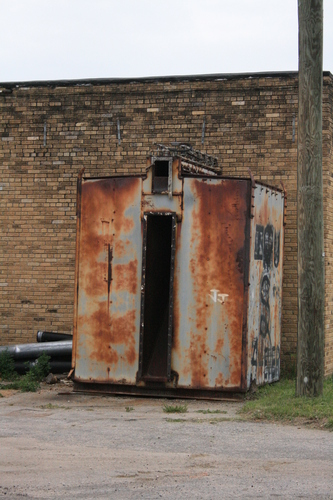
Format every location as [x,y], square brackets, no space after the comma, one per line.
[265,293]
[210,273]
[108,304]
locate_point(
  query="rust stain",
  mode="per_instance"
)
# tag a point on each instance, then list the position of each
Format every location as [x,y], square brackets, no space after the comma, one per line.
[124,192]
[199,362]
[123,332]
[104,200]
[127,225]
[99,325]
[219,345]
[219,381]
[106,333]
[176,319]
[126,276]
[121,248]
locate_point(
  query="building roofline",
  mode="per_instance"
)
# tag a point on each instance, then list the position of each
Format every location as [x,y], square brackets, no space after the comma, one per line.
[153,79]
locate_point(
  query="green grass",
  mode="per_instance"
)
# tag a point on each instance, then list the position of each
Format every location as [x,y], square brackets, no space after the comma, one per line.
[29,382]
[279,402]
[129,408]
[175,408]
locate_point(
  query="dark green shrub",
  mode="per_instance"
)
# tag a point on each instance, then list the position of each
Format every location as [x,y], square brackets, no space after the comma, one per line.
[28,382]
[7,366]
[41,368]
[37,372]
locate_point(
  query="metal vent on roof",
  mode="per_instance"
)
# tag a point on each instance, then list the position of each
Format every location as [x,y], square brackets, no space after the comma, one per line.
[192,161]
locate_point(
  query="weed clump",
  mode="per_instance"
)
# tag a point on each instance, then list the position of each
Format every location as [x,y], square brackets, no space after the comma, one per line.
[29,382]
[175,408]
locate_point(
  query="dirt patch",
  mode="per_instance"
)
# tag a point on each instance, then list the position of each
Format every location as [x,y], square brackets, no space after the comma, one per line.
[7,393]
[101,447]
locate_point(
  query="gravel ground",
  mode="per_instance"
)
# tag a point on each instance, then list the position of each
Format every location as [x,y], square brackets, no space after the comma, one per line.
[55,444]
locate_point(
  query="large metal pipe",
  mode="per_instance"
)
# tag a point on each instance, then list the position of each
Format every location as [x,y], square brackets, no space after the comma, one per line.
[52,336]
[33,351]
[55,366]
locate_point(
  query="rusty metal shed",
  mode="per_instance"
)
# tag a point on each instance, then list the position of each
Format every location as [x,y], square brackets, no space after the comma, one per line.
[178,280]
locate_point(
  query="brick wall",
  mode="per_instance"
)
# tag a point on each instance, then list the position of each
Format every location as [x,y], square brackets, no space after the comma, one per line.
[50,131]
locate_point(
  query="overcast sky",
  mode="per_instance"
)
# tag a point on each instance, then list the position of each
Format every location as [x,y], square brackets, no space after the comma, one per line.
[74,39]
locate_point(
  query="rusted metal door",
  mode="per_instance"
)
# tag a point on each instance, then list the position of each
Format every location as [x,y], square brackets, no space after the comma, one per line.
[211,278]
[108,285]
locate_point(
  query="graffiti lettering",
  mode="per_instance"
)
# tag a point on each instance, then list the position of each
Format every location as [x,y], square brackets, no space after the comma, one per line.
[268,246]
[269,361]
[259,242]
[218,297]
[265,355]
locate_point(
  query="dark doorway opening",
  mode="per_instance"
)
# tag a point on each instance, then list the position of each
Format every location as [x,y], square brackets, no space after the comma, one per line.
[157,300]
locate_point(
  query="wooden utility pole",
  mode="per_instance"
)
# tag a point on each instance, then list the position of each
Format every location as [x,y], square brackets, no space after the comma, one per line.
[311,284]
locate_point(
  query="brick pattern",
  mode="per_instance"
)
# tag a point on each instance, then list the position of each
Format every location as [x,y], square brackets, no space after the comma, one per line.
[48,133]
